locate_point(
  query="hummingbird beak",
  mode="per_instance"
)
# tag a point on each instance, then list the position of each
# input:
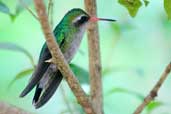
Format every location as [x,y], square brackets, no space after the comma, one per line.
[95,19]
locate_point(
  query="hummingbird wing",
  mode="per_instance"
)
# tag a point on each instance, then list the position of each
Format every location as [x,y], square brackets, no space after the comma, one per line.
[39,71]
[42,65]
[46,75]
[49,82]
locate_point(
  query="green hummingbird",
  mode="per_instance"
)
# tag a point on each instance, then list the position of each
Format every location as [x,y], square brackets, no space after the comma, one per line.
[68,33]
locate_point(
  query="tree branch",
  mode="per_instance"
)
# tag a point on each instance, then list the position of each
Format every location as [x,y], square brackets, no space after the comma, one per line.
[9,109]
[94,59]
[27,8]
[60,61]
[153,93]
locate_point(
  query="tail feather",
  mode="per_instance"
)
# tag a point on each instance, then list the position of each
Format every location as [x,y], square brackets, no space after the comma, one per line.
[37,94]
[39,71]
[50,89]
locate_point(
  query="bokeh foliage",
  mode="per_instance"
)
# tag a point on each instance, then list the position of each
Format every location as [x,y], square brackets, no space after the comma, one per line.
[127,76]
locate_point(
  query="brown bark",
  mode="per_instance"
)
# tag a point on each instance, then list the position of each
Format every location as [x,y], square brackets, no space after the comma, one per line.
[60,61]
[9,109]
[153,93]
[94,59]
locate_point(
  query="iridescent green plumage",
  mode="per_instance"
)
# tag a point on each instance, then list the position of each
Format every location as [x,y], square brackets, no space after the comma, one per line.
[46,77]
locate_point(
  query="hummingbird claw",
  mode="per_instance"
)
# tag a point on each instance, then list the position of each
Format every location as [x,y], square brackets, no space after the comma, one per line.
[49,60]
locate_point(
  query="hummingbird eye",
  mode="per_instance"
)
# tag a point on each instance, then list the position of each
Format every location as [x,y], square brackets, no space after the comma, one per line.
[81,20]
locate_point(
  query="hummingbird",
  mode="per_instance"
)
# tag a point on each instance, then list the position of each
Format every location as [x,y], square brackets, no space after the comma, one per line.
[68,34]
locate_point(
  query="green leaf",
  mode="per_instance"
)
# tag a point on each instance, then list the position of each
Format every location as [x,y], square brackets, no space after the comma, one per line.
[146,2]
[13,17]
[126,91]
[107,71]
[81,74]
[131,5]
[167,7]
[153,105]
[4,8]
[14,47]
[20,7]
[21,75]
[116,28]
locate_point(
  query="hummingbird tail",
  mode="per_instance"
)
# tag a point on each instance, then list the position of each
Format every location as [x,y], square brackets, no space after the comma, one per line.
[37,75]
[37,94]
[49,90]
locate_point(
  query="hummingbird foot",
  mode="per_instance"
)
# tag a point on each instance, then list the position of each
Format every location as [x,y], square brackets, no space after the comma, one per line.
[49,60]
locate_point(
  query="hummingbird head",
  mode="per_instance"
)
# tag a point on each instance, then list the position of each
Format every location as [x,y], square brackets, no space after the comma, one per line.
[79,18]
[76,17]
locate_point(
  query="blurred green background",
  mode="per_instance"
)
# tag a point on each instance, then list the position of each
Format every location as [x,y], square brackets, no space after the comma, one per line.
[134,53]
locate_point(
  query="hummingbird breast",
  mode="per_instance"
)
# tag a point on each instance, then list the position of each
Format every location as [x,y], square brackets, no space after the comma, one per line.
[74,44]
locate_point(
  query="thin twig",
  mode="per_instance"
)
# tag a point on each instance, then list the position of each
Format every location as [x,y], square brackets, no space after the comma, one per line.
[94,59]
[60,61]
[27,8]
[153,93]
[66,100]
[50,12]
